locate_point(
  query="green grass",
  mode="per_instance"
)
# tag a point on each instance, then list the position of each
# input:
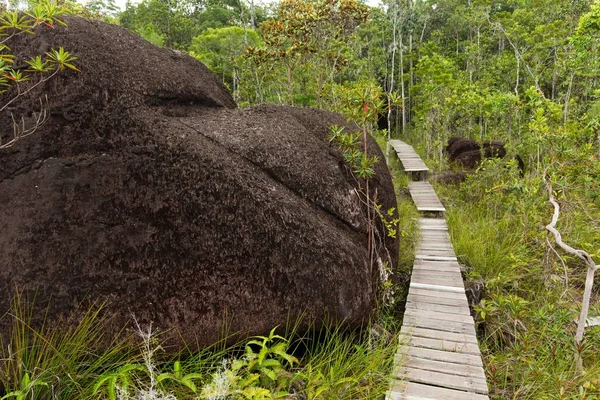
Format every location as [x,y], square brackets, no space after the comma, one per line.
[532,297]
[81,363]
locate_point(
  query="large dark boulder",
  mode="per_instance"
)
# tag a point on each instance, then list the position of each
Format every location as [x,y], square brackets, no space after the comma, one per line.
[149,190]
[468,153]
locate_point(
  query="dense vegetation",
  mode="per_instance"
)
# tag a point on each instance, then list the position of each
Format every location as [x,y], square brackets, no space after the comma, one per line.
[521,71]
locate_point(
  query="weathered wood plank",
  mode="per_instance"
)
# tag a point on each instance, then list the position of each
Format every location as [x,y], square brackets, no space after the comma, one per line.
[435,334]
[467,383]
[416,391]
[435,293]
[447,368]
[458,359]
[440,325]
[432,221]
[436,244]
[435,253]
[438,287]
[427,273]
[442,344]
[437,300]
[435,258]
[455,282]
[436,265]
[442,316]
[451,309]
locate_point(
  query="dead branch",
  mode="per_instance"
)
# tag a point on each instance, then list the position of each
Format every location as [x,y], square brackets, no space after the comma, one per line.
[587,259]
[21,129]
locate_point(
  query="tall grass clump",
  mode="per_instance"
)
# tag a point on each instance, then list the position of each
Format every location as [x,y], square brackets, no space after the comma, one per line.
[51,362]
[81,363]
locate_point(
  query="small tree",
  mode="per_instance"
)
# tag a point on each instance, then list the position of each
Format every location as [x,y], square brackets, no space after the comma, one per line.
[18,82]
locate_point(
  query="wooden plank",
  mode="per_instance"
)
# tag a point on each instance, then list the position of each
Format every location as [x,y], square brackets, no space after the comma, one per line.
[427,273]
[447,368]
[435,238]
[428,225]
[459,359]
[455,282]
[431,265]
[432,222]
[435,252]
[435,334]
[436,243]
[434,293]
[467,383]
[445,326]
[441,267]
[430,248]
[435,258]
[442,316]
[446,345]
[592,321]
[441,288]
[451,309]
[416,391]
[459,302]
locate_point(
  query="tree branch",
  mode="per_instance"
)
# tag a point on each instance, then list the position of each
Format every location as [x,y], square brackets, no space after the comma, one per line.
[589,280]
[21,130]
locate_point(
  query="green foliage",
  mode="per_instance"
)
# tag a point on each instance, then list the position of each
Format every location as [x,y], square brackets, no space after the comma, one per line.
[222,50]
[81,363]
[307,43]
[39,361]
[26,388]
[350,144]
[40,68]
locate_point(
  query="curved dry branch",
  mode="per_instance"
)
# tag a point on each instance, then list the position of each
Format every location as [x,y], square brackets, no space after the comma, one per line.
[551,227]
[21,129]
[592,268]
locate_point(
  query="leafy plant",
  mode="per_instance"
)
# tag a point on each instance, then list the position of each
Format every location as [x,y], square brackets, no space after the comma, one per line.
[12,23]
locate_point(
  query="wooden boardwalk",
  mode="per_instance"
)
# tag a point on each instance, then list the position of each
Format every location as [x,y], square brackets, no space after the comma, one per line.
[425,198]
[439,358]
[411,162]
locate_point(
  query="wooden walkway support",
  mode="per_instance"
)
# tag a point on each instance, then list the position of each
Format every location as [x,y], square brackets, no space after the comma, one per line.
[411,162]
[439,358]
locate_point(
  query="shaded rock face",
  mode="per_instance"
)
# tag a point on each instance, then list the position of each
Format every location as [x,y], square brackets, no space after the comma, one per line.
[148,189]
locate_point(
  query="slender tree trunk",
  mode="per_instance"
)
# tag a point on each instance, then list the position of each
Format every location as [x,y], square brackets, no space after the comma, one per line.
[393,68]
[411,74]
[554,74]
[518,72]
[402,90]
[478,50]
[567,99]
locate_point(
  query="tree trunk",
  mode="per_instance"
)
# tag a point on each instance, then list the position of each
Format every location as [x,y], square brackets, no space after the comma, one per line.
[402,86]
[567,99]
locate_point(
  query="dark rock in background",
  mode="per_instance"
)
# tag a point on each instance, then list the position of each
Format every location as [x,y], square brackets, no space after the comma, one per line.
[148,189]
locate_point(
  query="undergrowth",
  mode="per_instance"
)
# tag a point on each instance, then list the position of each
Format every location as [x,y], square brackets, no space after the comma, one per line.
[81,363]
[532,291]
